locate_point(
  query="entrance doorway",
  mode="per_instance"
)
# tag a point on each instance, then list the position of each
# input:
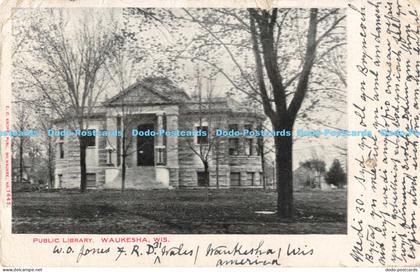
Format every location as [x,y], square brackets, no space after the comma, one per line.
[146,147]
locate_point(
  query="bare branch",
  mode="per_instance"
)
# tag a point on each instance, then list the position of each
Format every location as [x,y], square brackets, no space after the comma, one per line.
[233,58]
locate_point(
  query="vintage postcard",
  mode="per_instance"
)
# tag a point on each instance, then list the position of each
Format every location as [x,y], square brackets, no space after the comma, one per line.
[210,133]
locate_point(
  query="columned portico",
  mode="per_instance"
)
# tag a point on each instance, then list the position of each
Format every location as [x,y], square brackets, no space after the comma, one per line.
[153,160]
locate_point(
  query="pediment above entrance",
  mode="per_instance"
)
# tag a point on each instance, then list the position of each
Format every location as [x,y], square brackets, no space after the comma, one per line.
[150,91]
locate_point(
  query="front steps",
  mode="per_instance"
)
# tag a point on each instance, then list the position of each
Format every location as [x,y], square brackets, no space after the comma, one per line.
[139,177]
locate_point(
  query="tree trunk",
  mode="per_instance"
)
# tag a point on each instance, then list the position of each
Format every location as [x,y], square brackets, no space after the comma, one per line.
[21,159]
[217,165]
[123,150]
[50,165]
[83,174]
[284,175]
[206,178]
[123,170]
[261,152]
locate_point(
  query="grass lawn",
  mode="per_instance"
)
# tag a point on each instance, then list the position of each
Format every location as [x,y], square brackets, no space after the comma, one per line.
[176,211]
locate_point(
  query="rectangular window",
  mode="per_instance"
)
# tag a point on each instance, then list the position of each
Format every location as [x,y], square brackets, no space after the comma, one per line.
[61,150]
[60,181]
[161,156]
[90,137]
[233,127]
[250,178]
[234,146]
[260,142]
[260,145]
[90,179]
[248,127]
[61,144]
[249,147]
[164,126]
[204,137]
[202,179]
[235,179]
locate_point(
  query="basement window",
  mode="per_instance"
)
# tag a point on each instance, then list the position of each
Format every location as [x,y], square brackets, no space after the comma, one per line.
[235,179]
[90,180]
[202,179]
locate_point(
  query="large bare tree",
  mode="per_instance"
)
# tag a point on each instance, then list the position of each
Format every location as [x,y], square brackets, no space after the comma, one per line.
[22,123]
[275,58]
[203,118]
[63,65]
[123,73]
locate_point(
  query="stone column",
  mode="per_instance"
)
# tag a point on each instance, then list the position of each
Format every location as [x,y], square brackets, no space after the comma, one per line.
[159,140]
[172,150]
[111,171]
[111,125]
[159,147]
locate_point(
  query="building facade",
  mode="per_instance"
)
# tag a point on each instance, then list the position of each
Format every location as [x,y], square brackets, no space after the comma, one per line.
[163,160]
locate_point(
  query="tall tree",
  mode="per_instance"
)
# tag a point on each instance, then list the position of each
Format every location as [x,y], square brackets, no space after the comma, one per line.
[282,114]
[22,123]
[276,57]
[287,46]
[204,120]
[45,122]
[336,175]
[122,71]
[28,158]
[64,65]
[134,60]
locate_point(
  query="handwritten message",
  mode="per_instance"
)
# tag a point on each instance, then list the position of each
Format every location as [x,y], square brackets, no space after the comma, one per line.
[384,226]
[236,254]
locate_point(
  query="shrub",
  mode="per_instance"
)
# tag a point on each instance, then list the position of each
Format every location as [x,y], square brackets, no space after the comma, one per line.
[336,175]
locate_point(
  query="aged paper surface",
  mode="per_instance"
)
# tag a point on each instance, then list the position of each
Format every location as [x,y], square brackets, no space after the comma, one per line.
[381,228]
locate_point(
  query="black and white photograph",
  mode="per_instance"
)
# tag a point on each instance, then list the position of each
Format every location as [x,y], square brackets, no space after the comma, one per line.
[179,121]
